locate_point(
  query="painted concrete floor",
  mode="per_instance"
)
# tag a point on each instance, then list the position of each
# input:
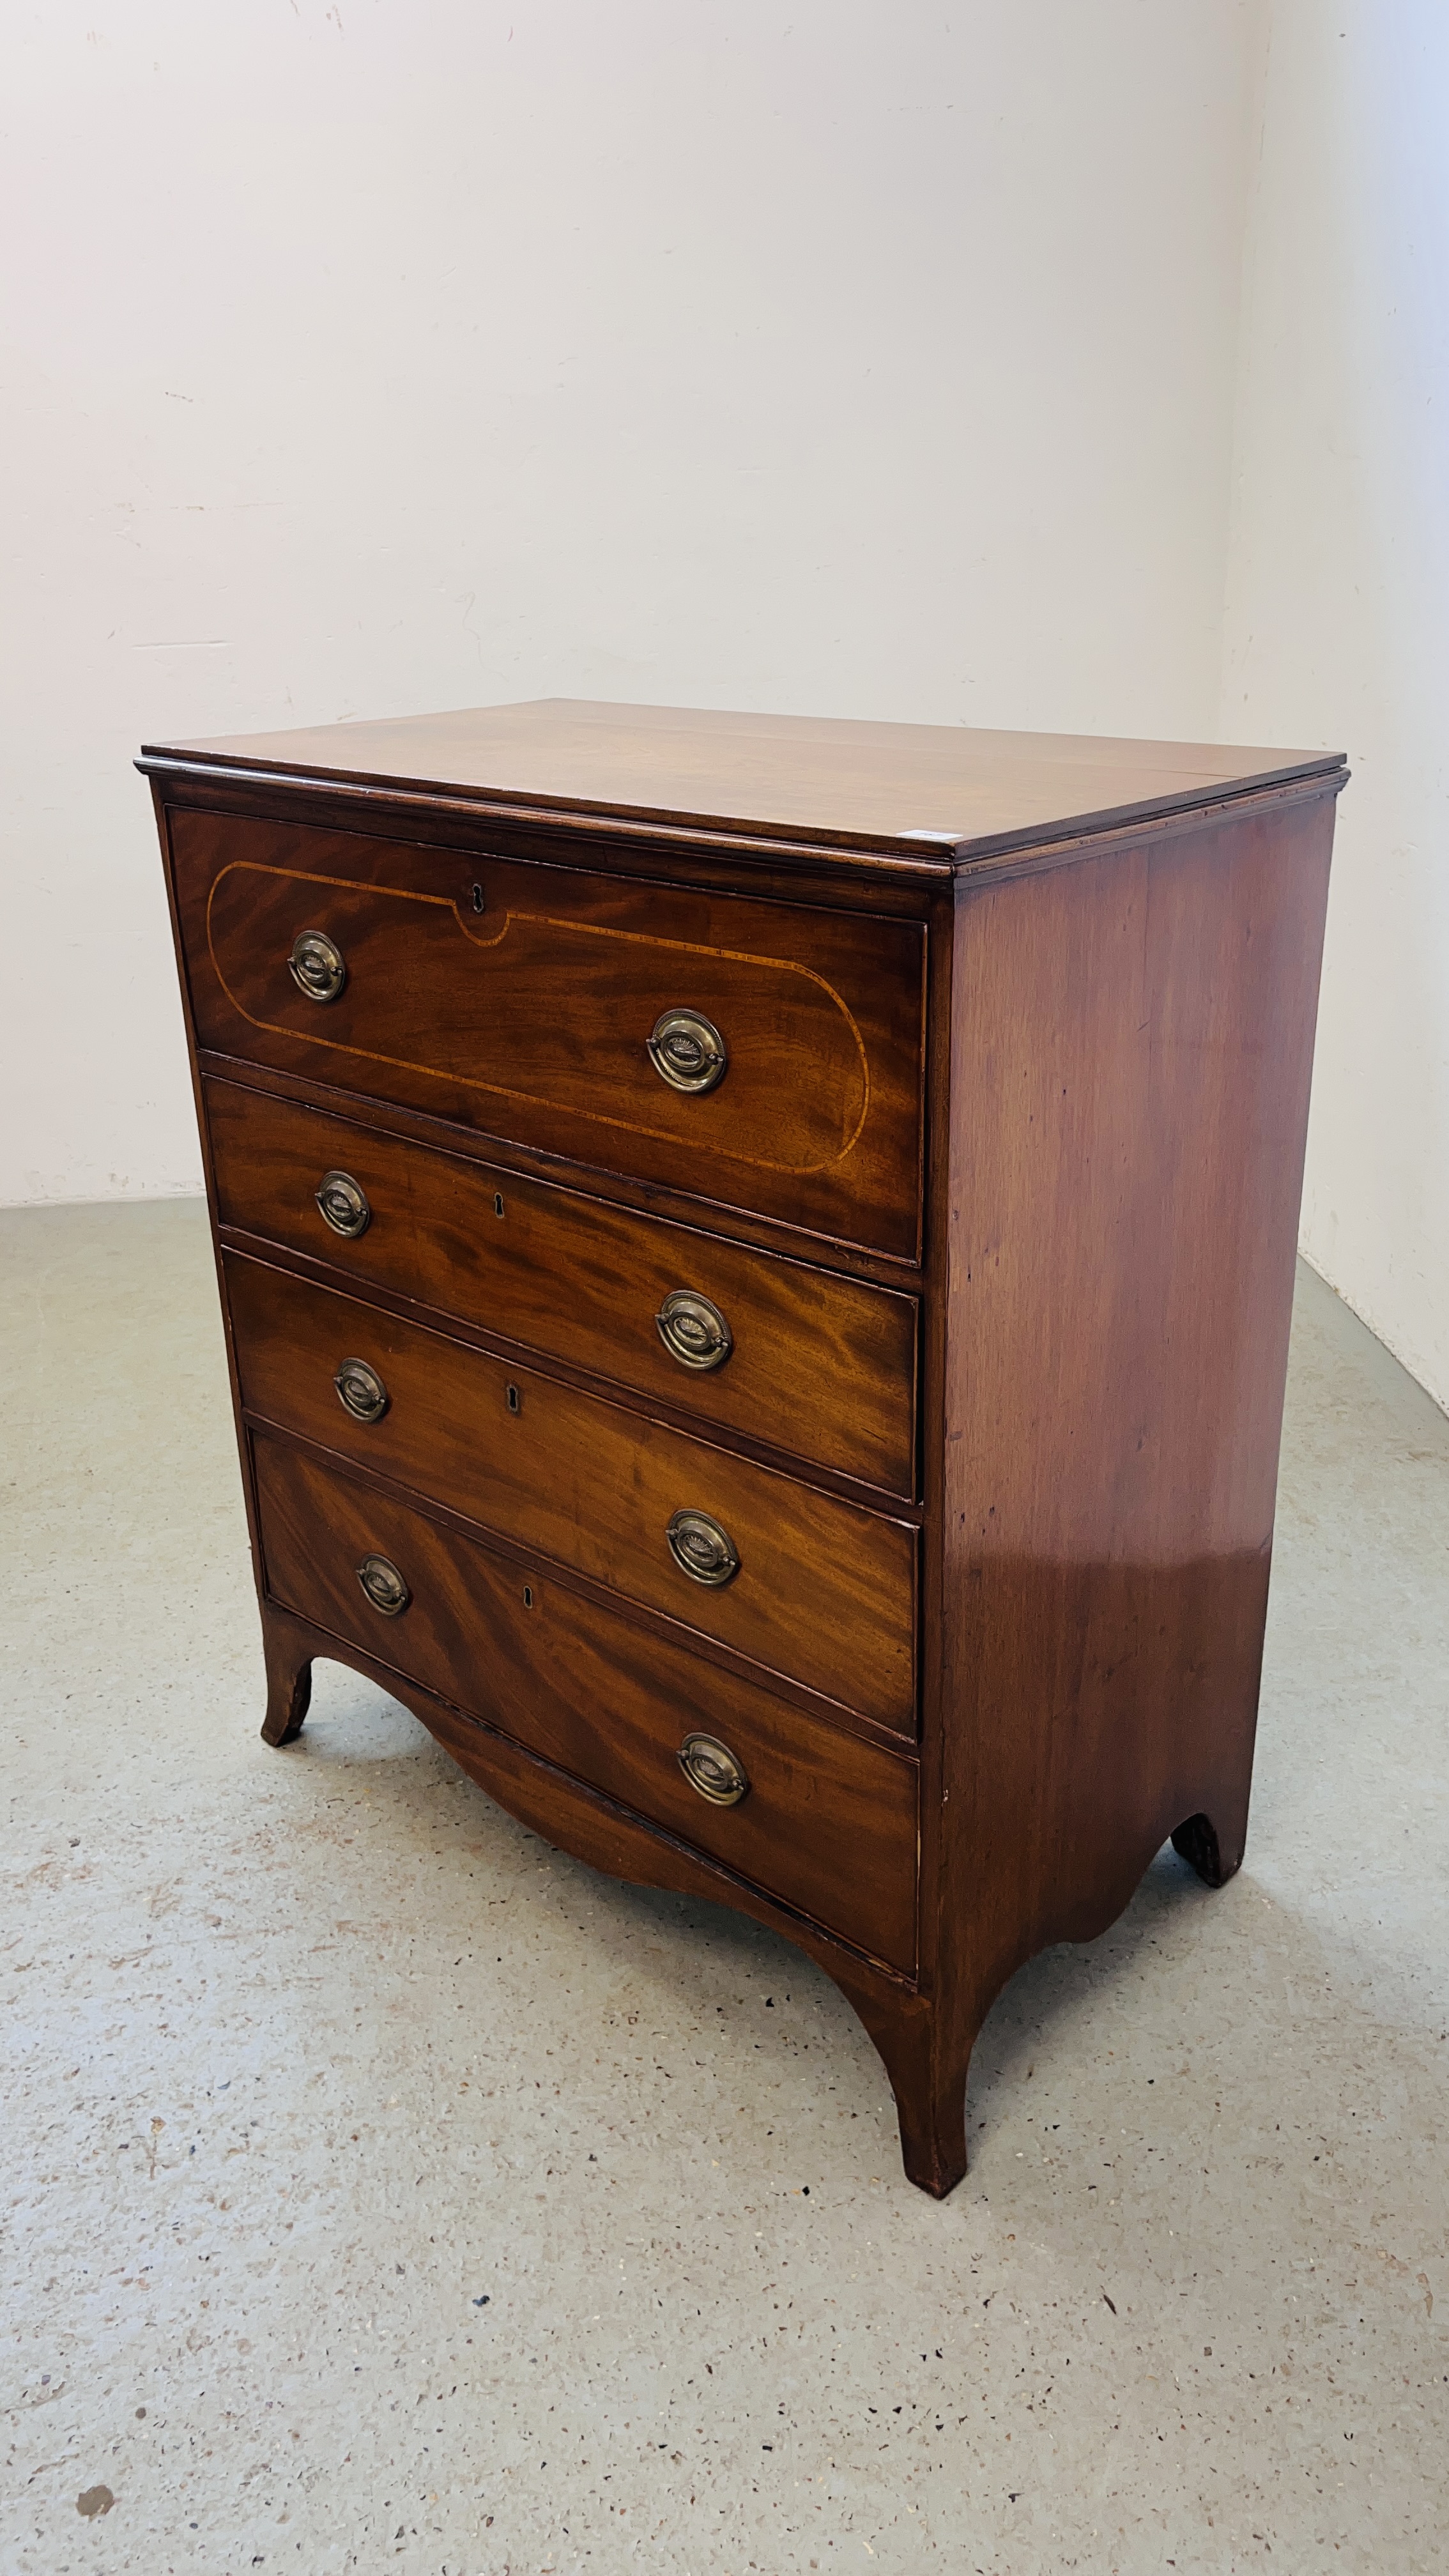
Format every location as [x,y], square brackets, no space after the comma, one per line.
[339,2237]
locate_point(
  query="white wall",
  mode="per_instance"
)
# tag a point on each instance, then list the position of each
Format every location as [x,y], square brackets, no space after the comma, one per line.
[411,353]
[1337,627]
[1036,365]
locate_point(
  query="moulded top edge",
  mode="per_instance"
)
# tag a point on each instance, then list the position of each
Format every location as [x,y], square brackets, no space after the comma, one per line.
[933,797]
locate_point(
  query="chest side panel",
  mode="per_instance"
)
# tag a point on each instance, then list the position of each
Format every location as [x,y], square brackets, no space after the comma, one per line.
[1132,1047]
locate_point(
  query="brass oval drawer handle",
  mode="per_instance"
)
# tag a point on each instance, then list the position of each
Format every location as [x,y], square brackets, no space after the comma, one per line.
[687,1051]
[342,1203]
[384,1586]
[317,966]
[713,1770]
[701,1549]
[693,1330]
[362,1391]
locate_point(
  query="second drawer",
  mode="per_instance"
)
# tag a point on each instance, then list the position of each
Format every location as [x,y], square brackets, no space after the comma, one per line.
[818,1589]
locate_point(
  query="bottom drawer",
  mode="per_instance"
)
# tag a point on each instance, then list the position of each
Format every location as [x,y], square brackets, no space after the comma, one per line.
[827,1822]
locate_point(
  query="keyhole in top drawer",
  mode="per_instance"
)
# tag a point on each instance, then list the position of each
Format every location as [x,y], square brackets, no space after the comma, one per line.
[528,1596]
[515,1402]
[477,898]
[498,1202]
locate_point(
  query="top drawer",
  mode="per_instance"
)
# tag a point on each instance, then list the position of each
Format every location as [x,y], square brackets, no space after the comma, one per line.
[520,1000]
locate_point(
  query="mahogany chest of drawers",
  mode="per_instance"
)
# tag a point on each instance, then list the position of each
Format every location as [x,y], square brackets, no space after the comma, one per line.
[757,1258]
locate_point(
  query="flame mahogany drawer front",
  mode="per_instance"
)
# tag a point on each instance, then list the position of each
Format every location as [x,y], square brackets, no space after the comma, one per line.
[521,1000]
[824,1821]
[824,1367]
[821,1592]
[757,1258]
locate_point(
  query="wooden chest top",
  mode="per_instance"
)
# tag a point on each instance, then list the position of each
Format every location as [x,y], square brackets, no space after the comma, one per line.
[964,794]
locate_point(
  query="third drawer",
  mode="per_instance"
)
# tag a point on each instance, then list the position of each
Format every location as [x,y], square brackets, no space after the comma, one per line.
[821,1592]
